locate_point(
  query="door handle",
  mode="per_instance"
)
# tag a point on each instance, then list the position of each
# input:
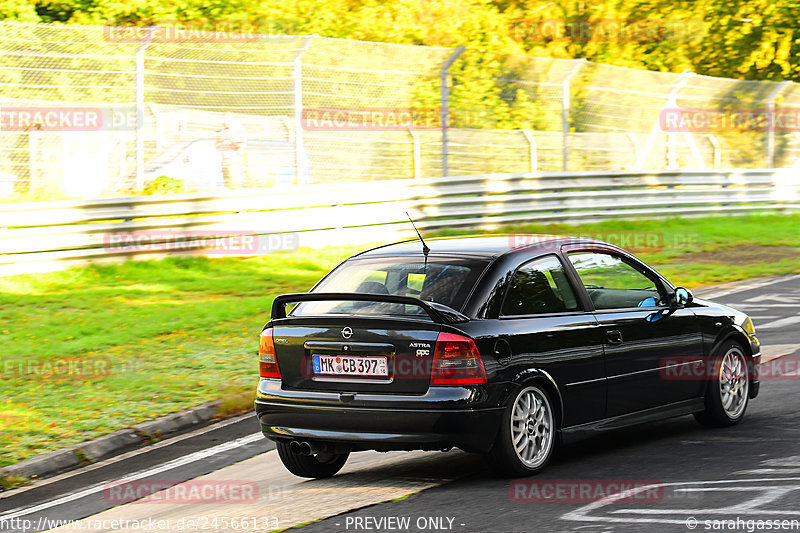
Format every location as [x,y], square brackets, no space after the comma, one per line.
[614,336]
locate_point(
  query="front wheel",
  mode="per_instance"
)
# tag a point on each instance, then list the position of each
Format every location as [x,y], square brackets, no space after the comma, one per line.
[527,434]
[320,465]
[728,389]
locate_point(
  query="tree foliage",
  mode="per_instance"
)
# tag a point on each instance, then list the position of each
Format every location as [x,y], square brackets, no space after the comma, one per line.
[746,39]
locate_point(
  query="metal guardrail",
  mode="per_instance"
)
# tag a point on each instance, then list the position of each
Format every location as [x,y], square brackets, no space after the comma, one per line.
[51,235]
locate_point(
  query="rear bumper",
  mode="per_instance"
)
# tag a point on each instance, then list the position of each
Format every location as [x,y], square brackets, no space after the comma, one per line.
[463,417]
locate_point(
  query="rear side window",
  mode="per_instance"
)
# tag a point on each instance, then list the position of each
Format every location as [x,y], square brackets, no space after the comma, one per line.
[539,287]
[441,280]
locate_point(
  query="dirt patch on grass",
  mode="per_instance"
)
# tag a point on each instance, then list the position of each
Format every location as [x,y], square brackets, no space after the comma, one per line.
[748,254]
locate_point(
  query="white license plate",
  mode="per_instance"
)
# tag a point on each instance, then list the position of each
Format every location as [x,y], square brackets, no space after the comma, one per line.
[348,365]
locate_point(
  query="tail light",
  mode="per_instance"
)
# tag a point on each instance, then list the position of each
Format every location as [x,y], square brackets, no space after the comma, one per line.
[267,360]
[457,361]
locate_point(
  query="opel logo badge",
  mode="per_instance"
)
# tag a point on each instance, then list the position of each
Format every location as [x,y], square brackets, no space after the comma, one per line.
[347,332]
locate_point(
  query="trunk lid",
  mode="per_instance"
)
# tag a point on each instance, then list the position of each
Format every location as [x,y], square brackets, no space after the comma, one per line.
[357,342]
[355,354]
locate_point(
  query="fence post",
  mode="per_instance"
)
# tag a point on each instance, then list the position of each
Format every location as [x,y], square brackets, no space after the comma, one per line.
[139,106]
[632,138]
[417,151]
[716,149]
[532,150]
[297,79]
[444,112]
[671,100]
[771,122]
[565,107]
[672,152]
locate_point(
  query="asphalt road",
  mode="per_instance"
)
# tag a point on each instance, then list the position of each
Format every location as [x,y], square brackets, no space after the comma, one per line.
[86,491]
[678,474]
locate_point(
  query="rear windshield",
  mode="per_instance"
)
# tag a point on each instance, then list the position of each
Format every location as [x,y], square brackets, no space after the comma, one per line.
[447,281]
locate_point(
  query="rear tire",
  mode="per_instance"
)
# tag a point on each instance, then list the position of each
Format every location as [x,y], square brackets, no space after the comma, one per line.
[318,466]
[728,390]
[527,434]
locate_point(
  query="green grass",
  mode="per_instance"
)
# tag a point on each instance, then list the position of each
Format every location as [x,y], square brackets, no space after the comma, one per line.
[160,336]
[164,335]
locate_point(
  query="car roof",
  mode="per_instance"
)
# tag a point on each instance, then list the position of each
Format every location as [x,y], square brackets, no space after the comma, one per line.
[478,245]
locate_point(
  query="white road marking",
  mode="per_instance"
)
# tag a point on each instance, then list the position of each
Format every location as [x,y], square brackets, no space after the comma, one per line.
[750,286]
[98,487]
[770,494]
[788,321]
[787,465]
[762,471]
[125,456]
[789,460]
[368,478]
[775,297]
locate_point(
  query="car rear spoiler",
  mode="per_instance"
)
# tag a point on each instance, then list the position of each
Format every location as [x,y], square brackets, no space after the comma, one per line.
[439,313]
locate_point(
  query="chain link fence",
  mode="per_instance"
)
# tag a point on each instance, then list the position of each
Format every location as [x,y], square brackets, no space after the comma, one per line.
[89,111]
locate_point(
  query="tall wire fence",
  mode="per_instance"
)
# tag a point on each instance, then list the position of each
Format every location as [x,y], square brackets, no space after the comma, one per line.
[88,111]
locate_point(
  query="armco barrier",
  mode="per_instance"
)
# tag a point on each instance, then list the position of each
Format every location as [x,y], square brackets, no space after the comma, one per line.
[52,235]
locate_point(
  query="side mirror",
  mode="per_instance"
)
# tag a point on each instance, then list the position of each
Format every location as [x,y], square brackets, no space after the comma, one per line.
[682,297]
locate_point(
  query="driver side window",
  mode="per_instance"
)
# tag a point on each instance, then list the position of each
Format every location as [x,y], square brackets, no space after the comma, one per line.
[612,283]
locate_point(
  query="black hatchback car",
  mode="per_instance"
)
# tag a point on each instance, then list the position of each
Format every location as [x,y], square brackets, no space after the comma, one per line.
[499,345]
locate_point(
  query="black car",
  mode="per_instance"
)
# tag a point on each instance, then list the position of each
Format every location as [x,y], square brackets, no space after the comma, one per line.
[499,345]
